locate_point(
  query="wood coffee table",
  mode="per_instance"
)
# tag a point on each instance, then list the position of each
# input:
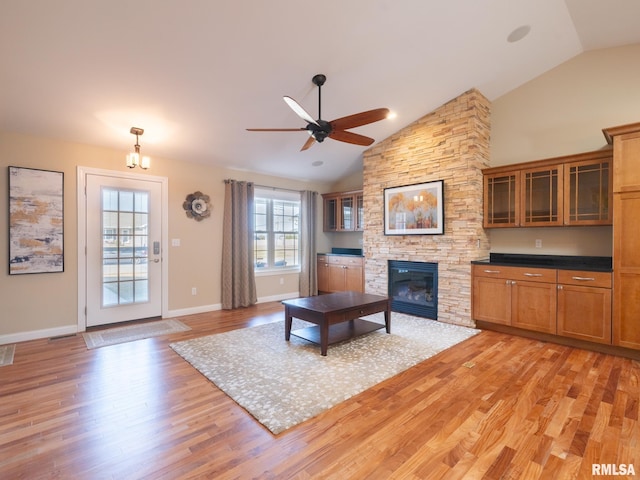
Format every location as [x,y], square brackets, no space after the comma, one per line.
[341,311]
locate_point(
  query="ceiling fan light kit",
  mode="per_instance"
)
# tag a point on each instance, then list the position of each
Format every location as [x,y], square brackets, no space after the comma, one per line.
[336,129]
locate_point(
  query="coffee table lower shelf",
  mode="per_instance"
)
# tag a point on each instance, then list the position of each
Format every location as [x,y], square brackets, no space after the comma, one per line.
[339,331]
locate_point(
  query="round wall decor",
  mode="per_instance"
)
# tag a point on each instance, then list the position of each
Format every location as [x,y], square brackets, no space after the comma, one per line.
[197,206]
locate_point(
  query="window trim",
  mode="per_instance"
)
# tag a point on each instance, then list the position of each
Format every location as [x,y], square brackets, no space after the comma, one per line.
[285,196]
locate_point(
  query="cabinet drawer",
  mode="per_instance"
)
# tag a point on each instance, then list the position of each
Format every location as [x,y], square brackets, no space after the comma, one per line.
[346,260]
[584,278]
[490,271]
[360,312]
[544,275]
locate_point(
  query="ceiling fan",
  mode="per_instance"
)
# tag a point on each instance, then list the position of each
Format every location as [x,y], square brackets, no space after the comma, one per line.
[337,129]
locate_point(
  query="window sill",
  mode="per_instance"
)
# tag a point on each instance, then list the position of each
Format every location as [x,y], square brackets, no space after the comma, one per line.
[266,272]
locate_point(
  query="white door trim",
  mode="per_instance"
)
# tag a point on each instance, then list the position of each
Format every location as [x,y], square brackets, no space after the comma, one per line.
[82,173]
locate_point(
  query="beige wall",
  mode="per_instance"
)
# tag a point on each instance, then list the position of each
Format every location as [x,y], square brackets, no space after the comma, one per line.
[560,113]
[43,305]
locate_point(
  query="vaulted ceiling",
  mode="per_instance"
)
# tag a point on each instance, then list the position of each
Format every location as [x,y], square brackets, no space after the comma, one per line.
[196,73]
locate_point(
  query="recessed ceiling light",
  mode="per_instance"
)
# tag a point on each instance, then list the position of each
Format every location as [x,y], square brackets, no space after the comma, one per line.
[392,115]
[317,163]
[519,33]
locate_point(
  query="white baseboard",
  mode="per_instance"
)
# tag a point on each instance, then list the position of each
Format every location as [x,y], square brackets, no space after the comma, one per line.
[278,298]
[210,308]
[38,334]
[192,310]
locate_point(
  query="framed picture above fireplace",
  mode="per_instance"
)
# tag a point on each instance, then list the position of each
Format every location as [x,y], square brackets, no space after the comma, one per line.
[414,209]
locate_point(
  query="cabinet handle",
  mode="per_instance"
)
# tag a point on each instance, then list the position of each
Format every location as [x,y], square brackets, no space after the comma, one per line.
[491,271]
[559,287]
[584,279]
[532,274]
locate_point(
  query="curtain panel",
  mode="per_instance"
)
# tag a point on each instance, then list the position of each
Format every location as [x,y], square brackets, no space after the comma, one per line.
[238,277]
[308,284]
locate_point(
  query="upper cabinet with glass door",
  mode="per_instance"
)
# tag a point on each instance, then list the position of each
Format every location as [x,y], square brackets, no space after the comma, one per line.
[343,211]
[570,190]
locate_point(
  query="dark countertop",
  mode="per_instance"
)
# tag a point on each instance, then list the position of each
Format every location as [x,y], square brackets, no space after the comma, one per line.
[354,252]
[561,262]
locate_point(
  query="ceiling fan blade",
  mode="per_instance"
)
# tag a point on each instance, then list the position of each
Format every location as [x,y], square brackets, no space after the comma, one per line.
[359,119]
[350,137]
[310,141]
[275,129]
[301,112]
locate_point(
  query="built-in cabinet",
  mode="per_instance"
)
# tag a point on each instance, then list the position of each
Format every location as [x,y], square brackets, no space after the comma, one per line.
[515,296]
[584,305]
[626,234]
[569,190]
[568,303]
[343,211]
[339,273]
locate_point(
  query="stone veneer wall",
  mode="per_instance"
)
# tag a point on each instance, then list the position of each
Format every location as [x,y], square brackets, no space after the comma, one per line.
[450,144]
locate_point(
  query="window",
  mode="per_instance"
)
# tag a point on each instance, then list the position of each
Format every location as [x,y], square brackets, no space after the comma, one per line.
[277,234]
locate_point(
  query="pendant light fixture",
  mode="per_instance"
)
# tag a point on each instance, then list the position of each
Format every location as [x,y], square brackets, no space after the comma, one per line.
[134,159]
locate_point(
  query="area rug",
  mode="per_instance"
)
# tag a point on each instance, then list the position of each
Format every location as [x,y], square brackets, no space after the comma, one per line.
[6,354]
[285,383]
[130,333]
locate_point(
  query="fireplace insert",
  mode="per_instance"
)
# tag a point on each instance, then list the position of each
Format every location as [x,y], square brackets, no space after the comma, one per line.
[413,288]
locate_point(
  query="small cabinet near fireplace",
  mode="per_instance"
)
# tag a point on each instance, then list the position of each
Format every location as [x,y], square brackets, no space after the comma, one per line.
[413,288]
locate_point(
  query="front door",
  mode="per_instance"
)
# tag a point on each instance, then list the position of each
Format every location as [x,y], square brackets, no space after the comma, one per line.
[123,248]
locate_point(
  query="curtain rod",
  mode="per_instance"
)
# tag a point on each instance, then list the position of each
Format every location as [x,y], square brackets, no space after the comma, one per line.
[227,180]
[277,188]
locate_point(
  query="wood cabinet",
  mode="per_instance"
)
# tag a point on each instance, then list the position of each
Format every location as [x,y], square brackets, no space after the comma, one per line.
[626,234]
[626,267]
[515,296]
[541,202]
[569,190]
[343,211]
[588,191]
[502,199]
[569,303]
[584,305]
[338,273]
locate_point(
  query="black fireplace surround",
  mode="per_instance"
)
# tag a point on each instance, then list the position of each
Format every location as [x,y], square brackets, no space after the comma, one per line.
[413,288]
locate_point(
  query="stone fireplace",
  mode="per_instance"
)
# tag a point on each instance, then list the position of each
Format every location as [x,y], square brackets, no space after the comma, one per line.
[413,288]
[450,144]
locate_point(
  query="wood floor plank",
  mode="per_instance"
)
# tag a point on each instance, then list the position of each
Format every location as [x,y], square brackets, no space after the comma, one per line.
[496,406]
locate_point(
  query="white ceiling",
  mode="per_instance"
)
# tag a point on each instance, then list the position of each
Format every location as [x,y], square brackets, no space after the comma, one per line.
[196,73]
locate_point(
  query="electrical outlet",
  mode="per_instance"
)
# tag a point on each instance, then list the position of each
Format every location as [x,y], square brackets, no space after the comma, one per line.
[538,243]
[281,281]
[194,291]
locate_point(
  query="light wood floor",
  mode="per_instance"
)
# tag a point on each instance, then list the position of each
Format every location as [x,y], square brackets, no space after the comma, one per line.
[495,406]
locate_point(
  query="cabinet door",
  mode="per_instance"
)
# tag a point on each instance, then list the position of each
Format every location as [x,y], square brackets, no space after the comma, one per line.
[359,212]
[584,313]
[322,269]
[588,193]
[626,268]
[330,208]
[354,278]
[336,277]
[626,151]
[502,200]
[347,213]
[541,201]
[491,300]
[533,306]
